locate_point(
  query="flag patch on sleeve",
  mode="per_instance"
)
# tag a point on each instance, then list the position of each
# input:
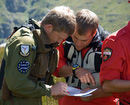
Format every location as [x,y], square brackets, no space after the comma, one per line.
[107,54]
[23,66]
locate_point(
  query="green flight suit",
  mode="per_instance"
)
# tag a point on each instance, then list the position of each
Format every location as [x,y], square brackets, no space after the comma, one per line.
[19,56]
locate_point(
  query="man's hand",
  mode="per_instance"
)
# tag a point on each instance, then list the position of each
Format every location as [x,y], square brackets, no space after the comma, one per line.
[85,76]
[89,98]
[59,89]
[96,94]
[58,97]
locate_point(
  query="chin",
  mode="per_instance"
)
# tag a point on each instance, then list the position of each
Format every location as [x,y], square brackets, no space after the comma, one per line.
[79,49]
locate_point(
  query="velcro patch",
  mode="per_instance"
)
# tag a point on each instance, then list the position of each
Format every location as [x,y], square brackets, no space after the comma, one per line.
[23,66]
[24,50]
[107,54]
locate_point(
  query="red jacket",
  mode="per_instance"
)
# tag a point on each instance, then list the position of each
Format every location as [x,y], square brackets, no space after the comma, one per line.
[116,59]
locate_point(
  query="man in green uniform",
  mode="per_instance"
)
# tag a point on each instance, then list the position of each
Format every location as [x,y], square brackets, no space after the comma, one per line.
[30,57]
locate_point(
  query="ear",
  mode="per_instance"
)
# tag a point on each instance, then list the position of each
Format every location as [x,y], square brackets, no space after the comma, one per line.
[95,33]
[48,28]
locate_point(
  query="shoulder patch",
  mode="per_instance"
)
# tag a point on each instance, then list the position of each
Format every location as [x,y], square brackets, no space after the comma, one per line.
[107,54]
[23,66]
[24,50]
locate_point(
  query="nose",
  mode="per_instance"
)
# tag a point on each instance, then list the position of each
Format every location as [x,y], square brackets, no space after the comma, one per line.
[78,42]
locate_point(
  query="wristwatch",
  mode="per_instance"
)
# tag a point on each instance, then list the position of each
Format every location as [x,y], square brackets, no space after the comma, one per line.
[75,67]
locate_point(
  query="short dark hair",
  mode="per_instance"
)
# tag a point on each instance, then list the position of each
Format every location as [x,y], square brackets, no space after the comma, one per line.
[86,20]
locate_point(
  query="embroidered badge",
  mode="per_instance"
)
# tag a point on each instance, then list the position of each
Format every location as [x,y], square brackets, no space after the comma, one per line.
[107,54]
[24,50]
[23,66]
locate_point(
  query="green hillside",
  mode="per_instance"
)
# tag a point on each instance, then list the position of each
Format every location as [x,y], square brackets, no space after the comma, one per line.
[113,14]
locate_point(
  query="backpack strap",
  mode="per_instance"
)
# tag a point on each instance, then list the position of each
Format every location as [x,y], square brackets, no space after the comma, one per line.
[31,24]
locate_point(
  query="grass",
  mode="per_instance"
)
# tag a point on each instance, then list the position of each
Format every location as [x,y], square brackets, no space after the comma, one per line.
[1,54]
[46,100]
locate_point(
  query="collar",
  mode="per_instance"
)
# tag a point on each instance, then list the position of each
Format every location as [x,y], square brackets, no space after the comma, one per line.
[96,40]
[45,37]
[47,41]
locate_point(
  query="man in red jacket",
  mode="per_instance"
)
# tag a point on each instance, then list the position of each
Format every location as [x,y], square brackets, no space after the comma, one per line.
[80,59]
[115,68]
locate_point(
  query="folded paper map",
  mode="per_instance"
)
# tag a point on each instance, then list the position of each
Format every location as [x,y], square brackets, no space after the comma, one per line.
[77,92]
